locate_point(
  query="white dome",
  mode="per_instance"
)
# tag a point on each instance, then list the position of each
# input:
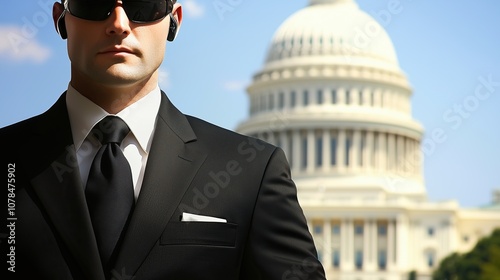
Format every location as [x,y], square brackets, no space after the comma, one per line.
[335,31]
[331,94]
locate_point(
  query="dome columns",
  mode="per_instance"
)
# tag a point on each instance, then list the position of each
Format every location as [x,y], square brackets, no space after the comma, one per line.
[316,152]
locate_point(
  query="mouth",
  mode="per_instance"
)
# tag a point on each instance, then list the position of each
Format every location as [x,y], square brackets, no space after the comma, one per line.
[117,50]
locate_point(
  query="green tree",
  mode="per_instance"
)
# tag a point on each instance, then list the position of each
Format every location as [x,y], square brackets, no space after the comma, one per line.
[448,268]
[482,263]
[412,275]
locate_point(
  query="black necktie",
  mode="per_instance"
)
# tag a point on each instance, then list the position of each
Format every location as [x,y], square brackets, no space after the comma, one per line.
[109,191]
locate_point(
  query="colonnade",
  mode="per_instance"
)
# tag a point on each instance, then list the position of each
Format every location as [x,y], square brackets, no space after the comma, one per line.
[344,150]
[277,100]
[353,244]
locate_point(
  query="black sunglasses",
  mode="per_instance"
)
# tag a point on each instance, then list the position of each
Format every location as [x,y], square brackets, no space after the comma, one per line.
[138,11]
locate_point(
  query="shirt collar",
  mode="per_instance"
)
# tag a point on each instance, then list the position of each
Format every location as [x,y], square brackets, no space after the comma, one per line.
[140,116]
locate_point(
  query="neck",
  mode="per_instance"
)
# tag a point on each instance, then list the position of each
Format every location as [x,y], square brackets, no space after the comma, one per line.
[115,98]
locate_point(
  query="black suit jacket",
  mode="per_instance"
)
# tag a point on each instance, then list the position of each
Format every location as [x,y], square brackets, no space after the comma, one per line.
[193,167]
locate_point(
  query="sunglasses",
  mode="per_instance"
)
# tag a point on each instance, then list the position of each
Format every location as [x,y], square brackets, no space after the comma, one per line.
[138,11]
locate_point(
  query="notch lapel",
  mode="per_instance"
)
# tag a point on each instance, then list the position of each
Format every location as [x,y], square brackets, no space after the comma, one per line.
[58,187]
[172,164]
[63,198]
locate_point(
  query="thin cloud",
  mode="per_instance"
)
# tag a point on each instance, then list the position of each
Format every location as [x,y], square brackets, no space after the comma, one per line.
[234,85]
[193,8]
[164,78]
[15,46]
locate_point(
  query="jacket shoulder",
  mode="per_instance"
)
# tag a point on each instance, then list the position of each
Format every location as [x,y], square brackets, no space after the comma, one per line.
[33,126]
[17,132]
[217,136]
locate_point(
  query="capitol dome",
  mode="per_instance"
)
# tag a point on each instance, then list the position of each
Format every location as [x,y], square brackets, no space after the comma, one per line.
[331,94]
[332,31]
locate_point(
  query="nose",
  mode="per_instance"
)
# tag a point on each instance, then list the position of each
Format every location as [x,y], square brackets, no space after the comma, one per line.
[118,22]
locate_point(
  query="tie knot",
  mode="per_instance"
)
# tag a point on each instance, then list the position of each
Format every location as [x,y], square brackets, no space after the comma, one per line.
[110,130]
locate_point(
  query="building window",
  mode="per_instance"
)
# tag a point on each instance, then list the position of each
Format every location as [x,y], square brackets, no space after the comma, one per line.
[430,258]
[397,151]
[358,259]
[319,151]
[382,230]
[348,147]
[336,258]
[305,98]
[358,229]
[318,229]
[336,229]
[271,101]
[430,231]
[333,150]
[347,97]
[293,99]
[281,100]
[362,149]
[304,152]
[334,97]
[387,151]
[319,97]
[375,149]
[382,259]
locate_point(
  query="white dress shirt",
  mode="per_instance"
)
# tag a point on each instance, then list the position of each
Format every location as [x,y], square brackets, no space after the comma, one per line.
[140,118]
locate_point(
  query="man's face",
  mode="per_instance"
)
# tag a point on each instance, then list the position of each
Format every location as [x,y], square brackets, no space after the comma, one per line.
[115,52]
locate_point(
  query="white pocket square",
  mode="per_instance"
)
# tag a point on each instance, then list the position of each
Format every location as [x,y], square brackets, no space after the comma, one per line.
[188,217]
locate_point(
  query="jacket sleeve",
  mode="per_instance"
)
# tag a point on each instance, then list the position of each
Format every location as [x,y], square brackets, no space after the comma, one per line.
[279,245]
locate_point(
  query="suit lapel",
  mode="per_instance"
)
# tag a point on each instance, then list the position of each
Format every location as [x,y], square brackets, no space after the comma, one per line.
[63,198]
[59,189]
[172,164]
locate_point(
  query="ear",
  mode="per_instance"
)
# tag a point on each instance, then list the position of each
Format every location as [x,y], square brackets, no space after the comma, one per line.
[175,22]
[58,18]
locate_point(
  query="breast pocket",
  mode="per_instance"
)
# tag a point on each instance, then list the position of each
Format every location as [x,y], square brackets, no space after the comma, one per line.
[199,233]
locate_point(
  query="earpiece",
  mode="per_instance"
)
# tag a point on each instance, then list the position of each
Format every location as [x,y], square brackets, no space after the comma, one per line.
[172,32]
[61,26]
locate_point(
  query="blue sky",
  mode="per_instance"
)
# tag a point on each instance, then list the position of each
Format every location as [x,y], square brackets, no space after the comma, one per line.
[447,48]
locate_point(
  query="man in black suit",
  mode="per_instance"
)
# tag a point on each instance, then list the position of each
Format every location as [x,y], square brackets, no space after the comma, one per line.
[114,182]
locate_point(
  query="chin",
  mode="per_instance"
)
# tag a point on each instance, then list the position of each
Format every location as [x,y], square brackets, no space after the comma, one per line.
[124,76]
